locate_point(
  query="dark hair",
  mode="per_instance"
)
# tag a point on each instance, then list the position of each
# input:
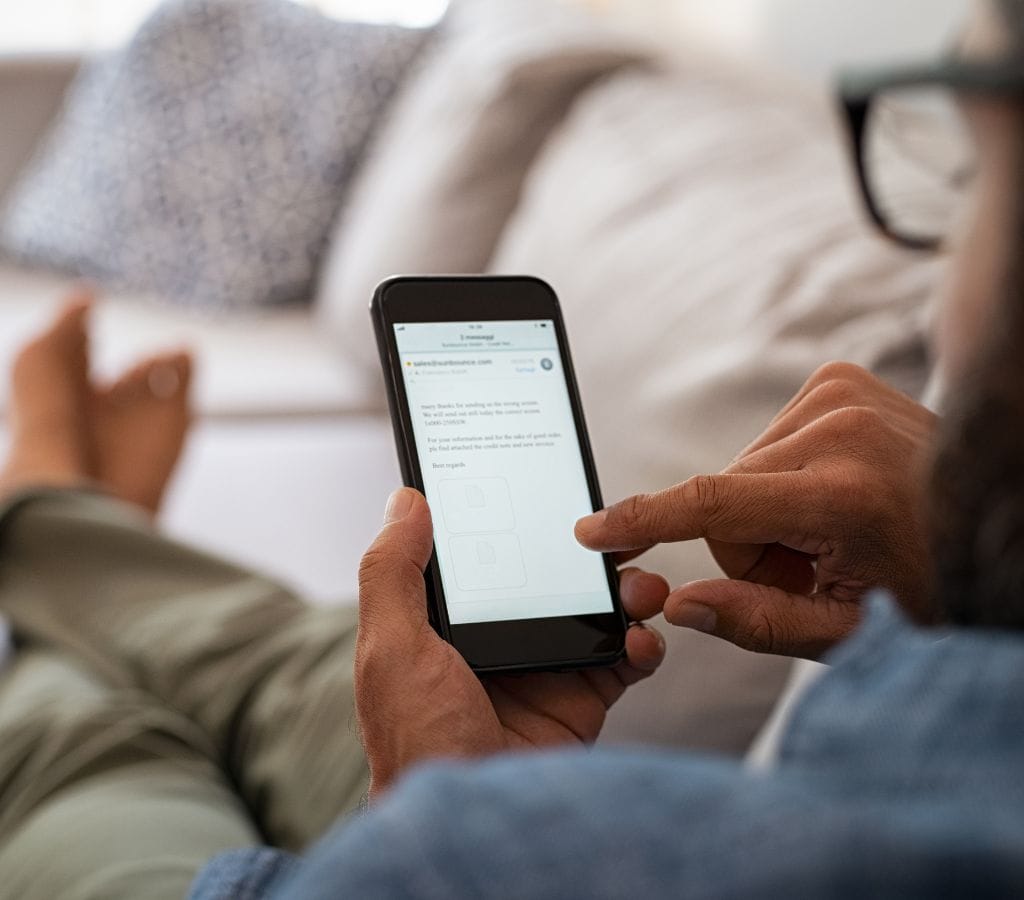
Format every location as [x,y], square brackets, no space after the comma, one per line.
[1012,12]
[977,497]
[977,491]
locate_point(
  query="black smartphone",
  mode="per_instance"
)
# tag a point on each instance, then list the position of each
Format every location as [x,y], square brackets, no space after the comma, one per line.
[489,427]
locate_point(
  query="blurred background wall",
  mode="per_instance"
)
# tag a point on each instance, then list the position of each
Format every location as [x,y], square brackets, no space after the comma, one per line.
[73,25]
[811,35]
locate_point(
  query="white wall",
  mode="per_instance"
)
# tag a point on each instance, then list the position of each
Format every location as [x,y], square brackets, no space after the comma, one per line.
[76,25]
[820,35]
[812,35]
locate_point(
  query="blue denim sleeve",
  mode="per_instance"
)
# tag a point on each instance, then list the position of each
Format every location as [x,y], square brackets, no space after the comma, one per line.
[541,826]
[900,777]
[244,874]
[614,825]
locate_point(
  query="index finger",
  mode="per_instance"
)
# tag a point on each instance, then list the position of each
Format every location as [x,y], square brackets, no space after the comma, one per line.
[737,508]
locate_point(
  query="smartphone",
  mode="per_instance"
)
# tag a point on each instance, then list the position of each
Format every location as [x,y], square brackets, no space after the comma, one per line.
[489,427]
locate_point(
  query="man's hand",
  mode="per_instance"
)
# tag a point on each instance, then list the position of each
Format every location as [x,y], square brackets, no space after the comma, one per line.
[416,697]
[824,506]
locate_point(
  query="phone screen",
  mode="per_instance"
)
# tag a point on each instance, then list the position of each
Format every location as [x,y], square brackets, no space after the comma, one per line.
[502,469]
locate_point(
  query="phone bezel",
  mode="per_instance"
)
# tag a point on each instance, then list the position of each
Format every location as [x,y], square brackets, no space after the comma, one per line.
[557,643]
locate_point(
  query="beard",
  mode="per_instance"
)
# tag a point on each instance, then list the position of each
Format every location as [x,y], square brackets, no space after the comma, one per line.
[976,511]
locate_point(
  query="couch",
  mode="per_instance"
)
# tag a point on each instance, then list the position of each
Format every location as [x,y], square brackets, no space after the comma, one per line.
[697,219]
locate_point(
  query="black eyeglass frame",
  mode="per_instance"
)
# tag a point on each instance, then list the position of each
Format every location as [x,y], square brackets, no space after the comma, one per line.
[859,90]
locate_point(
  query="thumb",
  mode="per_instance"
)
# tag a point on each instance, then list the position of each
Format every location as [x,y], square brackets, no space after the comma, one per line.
[392,593]
[763,618]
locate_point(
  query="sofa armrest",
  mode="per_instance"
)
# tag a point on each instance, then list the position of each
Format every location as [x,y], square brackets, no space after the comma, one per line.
[31,91]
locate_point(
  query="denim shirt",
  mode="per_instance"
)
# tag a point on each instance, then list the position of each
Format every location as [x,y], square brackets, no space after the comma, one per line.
[901,773]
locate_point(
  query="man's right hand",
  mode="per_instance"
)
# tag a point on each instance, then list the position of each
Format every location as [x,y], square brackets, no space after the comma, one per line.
[824,506]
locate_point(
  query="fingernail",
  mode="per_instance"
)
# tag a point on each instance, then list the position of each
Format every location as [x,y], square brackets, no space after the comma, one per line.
[696,616]
[399,504]
[593,522]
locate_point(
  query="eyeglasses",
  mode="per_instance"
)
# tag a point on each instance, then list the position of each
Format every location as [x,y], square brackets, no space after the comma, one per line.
[914,152]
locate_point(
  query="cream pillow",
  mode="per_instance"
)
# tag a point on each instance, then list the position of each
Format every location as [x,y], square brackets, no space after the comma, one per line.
[446,170]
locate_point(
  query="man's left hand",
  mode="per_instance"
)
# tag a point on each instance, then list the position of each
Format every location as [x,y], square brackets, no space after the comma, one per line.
[418,699]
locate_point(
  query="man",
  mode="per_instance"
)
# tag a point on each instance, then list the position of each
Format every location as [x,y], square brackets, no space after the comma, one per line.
[898,774]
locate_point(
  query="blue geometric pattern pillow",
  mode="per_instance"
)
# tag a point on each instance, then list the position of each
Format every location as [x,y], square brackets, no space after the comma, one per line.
[206,161]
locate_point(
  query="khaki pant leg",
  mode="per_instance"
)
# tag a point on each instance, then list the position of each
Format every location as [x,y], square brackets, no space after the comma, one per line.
[265,677]
[104,794]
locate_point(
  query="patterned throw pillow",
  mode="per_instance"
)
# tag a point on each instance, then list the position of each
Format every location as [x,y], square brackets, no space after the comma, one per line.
[206,161]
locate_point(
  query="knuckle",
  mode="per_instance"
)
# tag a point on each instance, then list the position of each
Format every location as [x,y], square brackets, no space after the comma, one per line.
[859,420]
[691,504]
[837,371]
[380,569]
[700,492]
[375,561]
[835,394]
[633,513]
[760,629]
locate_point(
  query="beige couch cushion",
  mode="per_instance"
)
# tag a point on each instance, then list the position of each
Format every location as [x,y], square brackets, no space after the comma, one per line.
[709,254]
[275,363]
[446,171]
